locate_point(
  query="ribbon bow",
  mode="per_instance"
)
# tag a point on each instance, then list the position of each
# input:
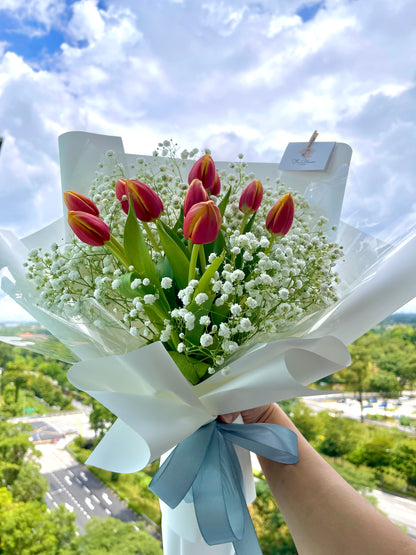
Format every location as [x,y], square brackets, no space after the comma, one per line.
[205,466]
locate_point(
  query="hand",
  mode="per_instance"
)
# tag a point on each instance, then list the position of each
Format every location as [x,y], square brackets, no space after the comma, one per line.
[260,414]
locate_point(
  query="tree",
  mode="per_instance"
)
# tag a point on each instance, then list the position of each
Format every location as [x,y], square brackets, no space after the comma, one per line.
[29,485]
[15,446]
[305,420]
[355,376]
[111,535]
[29,529]
[386,383]
[337,435]
[403,459]
[100,418]
[16,371]
[374,452]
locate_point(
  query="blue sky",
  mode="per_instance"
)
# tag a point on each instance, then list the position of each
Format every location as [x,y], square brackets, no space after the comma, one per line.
[236,76]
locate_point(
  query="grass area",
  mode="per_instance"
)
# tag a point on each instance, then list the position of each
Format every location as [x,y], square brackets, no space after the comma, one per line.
[381,418]
[27,405]
[133,488]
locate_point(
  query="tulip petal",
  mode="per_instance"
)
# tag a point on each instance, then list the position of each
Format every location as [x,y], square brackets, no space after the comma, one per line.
[202,223]
[280,218]
[89,228]
[79,203]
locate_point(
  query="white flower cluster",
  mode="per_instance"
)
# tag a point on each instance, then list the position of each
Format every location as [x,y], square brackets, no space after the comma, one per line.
[262,286]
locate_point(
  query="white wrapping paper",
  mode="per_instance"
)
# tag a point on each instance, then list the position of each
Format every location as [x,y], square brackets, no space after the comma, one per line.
[156,407]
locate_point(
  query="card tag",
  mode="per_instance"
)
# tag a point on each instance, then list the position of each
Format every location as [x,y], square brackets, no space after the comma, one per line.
[297,157]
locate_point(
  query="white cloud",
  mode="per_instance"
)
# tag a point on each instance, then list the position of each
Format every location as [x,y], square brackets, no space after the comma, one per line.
[236,76]
[87,22]
[34,17]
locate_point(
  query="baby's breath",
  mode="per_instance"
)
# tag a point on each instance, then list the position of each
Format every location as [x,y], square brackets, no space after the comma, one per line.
[261,287]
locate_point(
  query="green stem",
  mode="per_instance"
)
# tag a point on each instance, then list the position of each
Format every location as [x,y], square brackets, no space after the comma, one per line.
[242,228]
[272,239]
[117,249]
[202,258]
[192,262]
[151,236]
[244,223]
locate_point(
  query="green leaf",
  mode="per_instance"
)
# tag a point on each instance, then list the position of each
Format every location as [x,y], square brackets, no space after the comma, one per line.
[216,246]
[224,201]
[204,286]
[193,371]
[125,286]
[220,314]
[179,221]
[178,260]
[204,283]
[175,237]
[136,249]
[250,223]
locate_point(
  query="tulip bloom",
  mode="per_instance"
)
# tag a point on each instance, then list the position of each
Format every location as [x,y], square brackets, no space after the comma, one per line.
[79,203]
[251,197]
[216,188]
[196,193]
[89,228]
[204,169]
[202,223]
[280,218]
[147,204]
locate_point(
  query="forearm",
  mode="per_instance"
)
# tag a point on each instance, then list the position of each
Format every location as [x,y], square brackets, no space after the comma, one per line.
[325,515]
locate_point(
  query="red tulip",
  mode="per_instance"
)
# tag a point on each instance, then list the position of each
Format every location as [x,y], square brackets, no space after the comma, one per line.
[89,228]
[251,197]
[196,193]
[79,203]
[216,188]
[202,223]
[147,204]
[279,219]
[204,169]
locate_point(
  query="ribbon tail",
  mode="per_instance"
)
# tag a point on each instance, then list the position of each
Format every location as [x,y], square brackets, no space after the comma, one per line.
[271,441]
[209,499]
[177,474]
[247,544]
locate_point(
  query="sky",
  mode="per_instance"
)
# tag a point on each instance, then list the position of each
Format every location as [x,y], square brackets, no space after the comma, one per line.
[232,75]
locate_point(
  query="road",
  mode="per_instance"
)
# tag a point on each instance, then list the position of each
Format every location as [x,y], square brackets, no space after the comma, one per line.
[399,510]
[74,486]
[71,483]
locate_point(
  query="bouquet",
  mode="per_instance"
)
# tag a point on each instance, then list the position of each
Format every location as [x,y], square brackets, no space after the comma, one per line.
[208,293]
[203,271]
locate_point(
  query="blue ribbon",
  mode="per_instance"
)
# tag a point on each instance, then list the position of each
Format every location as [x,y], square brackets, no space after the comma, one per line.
[205,468]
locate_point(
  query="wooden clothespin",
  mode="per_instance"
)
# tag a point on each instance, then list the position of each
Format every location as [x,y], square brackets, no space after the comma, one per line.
[307,152]
[312,139]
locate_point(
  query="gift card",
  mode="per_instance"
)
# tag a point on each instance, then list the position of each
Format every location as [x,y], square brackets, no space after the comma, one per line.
[301,157]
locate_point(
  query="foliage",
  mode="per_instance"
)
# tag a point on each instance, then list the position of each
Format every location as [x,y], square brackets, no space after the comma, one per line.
[403,459]
[100,418]
[29,529]
[384,382]
[305,420]
[111,535]
[14,448]
[29,485]
[375,452]
[337,435]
